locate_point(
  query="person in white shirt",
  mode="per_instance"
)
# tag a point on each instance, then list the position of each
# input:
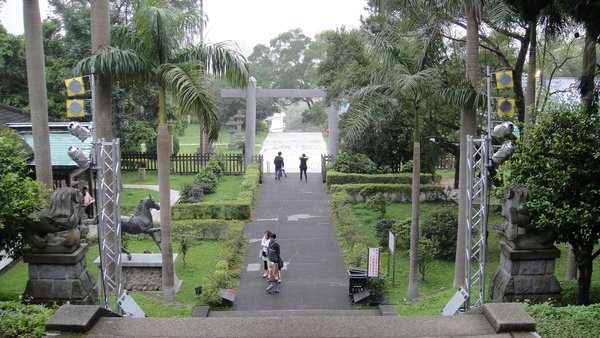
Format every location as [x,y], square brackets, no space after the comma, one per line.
[264,251]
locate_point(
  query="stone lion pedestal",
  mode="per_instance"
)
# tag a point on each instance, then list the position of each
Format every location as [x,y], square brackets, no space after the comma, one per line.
[143,272]
[525,274]
[60,278]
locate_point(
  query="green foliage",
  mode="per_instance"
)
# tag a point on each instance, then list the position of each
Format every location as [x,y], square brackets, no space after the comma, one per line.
[335,177]
[226,270]
[206,180]
[382,230]
[347,162]
[376,285]
[427,253]
[440,227]
[402,231]
[20,195]
[560,164]
[216,166]
[396,192]
[23,320]
[570,291]
[565,322]
[358,255]
[191,193]
[379,203]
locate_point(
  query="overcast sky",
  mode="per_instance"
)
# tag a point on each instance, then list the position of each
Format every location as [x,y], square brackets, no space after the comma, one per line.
[246,22]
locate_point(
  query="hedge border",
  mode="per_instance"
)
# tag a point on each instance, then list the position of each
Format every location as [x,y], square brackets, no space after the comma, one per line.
[336,177]
[238,210]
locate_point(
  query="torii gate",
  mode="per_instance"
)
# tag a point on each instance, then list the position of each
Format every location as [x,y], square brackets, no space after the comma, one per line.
[251,93]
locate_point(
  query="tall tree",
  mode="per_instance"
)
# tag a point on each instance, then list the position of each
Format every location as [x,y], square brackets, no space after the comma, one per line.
[157,49]
[36,83]
[468,126]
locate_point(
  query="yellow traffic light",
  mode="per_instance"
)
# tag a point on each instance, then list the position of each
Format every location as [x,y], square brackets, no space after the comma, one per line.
[75,86]
[506,106]
[504,79]
[75,108]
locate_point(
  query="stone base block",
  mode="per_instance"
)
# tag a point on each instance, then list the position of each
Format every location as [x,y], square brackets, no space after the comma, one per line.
[60,279]
[525,275]
[143,272]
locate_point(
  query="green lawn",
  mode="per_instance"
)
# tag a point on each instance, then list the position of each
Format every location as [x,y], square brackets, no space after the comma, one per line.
[177,181]
[227,189]
[437,288]
[200,262]
[191,138]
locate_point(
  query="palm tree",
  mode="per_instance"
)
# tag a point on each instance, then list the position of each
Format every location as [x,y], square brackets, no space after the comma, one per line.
[407,80]
[36,84]
[157,49]
[468,126]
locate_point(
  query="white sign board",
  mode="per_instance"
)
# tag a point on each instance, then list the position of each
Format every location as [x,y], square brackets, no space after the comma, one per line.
[373,263]
[392,243]
[459,298]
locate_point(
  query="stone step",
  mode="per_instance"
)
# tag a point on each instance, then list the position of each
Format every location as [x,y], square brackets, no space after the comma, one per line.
[295,313]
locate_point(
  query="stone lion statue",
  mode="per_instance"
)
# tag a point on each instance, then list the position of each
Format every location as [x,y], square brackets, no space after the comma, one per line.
[58,226]
[516,223]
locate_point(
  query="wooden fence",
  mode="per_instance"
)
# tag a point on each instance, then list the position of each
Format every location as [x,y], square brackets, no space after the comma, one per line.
[187,163]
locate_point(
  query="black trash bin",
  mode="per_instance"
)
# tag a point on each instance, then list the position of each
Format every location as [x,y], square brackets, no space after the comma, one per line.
[357,280]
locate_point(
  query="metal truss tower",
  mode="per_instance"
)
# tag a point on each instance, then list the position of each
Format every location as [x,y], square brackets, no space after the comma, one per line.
[477,218]
[108,170]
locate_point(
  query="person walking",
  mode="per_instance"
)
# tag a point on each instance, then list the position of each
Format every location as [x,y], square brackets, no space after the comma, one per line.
[275,261]
[278,161]
[87,202]
[303,167]
[264,251]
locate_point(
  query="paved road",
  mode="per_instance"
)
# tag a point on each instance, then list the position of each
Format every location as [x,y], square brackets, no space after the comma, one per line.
[292,146]
[315,277]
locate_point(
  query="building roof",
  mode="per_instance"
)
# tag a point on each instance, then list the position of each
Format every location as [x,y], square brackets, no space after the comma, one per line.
[60,141]
[10,114]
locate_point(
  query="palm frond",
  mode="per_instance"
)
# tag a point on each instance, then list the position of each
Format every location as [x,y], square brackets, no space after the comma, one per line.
[116,64]
[193,92]
[223,60]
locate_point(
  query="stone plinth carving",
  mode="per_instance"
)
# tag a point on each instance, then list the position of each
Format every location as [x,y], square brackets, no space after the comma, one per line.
[60,278]
[527,255]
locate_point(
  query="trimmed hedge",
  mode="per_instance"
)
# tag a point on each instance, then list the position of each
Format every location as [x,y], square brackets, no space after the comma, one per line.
[336,177]
[204,228]
[23,320]
[227,269]
[241,209]
[396,192]
[349,229]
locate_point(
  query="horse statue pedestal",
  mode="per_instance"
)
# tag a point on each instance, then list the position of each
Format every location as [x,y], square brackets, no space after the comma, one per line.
[143,272]
[60,278]
[525,275]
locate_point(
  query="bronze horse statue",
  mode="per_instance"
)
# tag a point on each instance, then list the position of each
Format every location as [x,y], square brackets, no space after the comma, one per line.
[63,215]
[141,221]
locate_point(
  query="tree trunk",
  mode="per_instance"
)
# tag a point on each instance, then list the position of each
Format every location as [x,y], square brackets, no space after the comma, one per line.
[100,23]
[571,273]
[589,72]
[585,280]
[36,84]
[467,127]
[413,277]
[163,144]
[531,78]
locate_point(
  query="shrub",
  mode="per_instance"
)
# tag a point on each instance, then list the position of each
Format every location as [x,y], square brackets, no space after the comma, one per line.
[440,228]
[358,255]
[427,253]
[565,322]
[207,180]
[216,166]
[378,203]
[354,163]
[23,320]
[382,228]
[570,290]
[191,193]
[402,231]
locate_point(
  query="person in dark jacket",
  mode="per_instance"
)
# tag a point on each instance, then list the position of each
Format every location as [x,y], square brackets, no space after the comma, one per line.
[274,258]
[278,161]
[303,166]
